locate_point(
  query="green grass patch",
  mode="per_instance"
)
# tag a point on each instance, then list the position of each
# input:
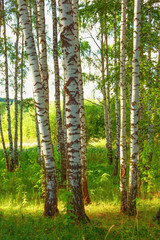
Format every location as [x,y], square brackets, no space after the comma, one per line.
[21,206]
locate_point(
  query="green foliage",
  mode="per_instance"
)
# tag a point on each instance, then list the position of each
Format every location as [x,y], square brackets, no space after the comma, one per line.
[94,120]
[149,170]
[21,206]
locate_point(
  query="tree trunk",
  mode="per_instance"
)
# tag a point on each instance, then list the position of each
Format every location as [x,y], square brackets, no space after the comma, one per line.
[82,110]
[38,139]
[72,108]
[42,113]
[116,100]
[134,111]
[21,93]
[104,92]
[36,21]
[108,100]
[16,97]
[60,133]
[64,124]
[150,124]
[40,157]
[7,93]
[123,164]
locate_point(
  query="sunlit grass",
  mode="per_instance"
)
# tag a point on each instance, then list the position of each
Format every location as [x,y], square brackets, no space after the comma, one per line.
[21,206]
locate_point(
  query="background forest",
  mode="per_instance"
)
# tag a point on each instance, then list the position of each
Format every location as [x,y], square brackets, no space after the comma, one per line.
[80,168]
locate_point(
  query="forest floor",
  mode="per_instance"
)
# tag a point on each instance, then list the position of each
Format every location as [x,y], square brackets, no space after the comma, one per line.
[21,207]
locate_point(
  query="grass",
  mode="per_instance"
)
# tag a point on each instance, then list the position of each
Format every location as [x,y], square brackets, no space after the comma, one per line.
[21,208]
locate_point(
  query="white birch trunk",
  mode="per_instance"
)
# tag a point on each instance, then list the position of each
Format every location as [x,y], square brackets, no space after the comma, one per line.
[150,124]
[116,100]
[82,110]
[60,134]
[21,96]
[72,107]
[123,164]
[43,51]
[42,113]
[104,93]
[134,111]
[16,96]
[108,100]
[7,94]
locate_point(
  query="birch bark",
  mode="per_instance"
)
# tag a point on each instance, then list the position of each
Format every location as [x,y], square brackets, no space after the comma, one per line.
[116,99]
[21,93]
[72,107]
[150,125]
[82,110]
[16,95]
[40,159]
[123,164]
[108,100]
[7,93]
[104,91]
[60,133]
[42,113]
[134,111]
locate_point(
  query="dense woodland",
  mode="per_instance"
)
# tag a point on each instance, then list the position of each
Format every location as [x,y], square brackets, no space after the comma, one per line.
[80,168]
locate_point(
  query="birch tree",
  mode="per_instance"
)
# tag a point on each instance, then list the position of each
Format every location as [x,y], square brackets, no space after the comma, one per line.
[82,110]
[50,208]
[134,111]
[123,165]
[104,89]
[60,133]
[7,91]
[116,99]
[108,100]
[21,96]
[72,108]
[16,93]
[150,125]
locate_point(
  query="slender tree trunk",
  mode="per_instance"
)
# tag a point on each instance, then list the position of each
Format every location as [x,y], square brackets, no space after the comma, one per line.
[104,92]
[82,110]
[116,100]
[4,145]
[60,133]
[36,21]
[42,113]
[108,100]
[21,106]
[134,111]
[64,125]
[72,108]
[7,93]
[150,124]
[43,50]
[16,96]
[38,138]
[40,158]
[44,78]
[123,164]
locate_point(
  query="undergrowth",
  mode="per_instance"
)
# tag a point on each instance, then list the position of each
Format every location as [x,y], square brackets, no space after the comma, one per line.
[21,206]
